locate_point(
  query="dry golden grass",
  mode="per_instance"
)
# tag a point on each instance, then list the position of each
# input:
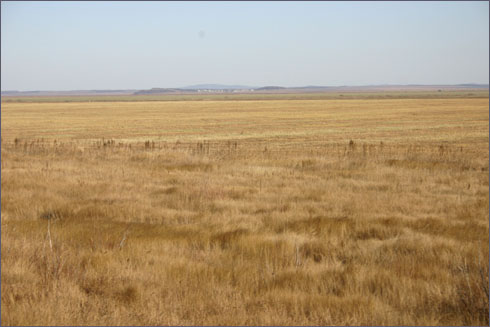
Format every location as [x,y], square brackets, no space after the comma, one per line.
[245,212]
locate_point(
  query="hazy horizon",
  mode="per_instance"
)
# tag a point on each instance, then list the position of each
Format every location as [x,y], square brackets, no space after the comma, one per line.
[258,86]
[65,46]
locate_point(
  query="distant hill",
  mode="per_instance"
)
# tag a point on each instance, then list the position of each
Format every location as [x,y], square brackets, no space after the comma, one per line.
[164,91]
[270,88]
[219,88]
[195,89]
[476,86]
[216,87]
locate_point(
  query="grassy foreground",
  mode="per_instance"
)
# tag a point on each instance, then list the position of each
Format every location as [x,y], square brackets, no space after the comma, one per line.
[304,212]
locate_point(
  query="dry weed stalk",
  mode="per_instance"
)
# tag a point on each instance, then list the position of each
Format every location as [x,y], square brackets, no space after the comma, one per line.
[48,236]
[123,240]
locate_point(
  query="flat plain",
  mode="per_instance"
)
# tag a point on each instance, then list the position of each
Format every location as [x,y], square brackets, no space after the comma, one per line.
[366,210]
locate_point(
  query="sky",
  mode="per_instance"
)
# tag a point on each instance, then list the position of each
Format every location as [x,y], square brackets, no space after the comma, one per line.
[141,45]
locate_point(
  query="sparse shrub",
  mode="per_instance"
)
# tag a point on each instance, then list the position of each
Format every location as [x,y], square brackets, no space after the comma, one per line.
[56,214]
[127,295]
[171,190]
[225,239]
[314,250]
[472,293]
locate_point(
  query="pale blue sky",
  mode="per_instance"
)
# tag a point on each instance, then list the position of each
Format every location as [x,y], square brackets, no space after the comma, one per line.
[137,45]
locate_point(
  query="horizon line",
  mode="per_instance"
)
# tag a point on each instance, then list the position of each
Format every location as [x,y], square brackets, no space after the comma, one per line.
[252,87]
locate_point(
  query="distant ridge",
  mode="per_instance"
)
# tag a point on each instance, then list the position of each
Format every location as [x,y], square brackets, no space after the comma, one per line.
[220,88]
[217,87]
[478,86]
[161,91]
[269,88]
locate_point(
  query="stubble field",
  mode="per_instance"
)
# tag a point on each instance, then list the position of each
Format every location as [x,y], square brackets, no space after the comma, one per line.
[258,212]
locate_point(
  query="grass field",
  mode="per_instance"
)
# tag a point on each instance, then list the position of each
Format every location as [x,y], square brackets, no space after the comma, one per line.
[309,211]
[476,93]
